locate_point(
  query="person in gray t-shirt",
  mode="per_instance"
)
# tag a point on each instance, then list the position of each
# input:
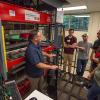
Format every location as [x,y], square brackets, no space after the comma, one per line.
[83,54]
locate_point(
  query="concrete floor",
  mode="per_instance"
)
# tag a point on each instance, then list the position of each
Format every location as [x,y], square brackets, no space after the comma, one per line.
[68,90]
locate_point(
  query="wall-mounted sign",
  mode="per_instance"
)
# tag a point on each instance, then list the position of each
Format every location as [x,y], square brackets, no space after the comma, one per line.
[59,17]
[32,16]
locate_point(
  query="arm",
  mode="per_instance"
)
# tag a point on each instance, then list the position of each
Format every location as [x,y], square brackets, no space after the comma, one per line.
[81,48]
[45,54]
[74,45]
[46,66]
[48,55]
[92,54]
[70,46]
[92,57]
[92,73]
[34,59]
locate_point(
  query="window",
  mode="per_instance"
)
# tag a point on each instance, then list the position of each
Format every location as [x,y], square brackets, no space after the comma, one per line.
[79,22]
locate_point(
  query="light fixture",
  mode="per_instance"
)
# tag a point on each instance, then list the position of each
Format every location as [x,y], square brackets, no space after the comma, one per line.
[81,16]
[72,8]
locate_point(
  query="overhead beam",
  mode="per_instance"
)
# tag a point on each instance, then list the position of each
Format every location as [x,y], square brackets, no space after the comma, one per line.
[56,3]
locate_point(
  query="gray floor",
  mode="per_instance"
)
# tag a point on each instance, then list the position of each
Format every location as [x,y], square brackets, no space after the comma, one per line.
[70,89]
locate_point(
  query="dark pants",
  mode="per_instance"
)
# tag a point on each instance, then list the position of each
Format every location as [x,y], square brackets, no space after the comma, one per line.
[94,91]
[81,65]
[93,66]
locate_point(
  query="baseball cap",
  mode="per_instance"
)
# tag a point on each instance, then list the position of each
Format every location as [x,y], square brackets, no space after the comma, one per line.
[84,35]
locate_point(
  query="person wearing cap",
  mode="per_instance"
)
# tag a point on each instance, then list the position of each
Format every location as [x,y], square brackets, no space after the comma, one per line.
[83,49]
[95,51]
[70,42]
[34,61]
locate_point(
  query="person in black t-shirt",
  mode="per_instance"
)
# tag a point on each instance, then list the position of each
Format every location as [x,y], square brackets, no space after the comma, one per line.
[95,51]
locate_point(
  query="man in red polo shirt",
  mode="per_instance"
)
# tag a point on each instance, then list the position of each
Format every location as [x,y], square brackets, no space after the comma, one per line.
[69,46]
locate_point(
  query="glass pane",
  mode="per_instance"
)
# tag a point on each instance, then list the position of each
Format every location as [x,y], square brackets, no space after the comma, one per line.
[77,23]
[66,21]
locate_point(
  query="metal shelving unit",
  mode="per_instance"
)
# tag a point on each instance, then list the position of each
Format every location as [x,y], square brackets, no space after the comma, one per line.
[16,45]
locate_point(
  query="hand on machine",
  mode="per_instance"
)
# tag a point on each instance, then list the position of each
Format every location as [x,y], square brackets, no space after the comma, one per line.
[52,55]
[54,67]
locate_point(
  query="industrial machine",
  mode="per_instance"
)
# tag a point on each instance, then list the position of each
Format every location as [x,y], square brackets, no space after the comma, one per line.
[16,23]
[15,28]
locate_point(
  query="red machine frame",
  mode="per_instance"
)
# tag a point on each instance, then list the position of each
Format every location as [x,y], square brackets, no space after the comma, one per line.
[14,13]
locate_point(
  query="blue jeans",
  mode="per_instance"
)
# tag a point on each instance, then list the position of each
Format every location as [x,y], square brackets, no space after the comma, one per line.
[81,65]
[93,92]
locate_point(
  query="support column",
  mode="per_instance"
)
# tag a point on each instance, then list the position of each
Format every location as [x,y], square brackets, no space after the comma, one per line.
[94,25]
[3,63]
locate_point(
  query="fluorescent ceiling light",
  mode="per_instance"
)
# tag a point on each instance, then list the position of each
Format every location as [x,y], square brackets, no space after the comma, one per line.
[81,16]
[72,8]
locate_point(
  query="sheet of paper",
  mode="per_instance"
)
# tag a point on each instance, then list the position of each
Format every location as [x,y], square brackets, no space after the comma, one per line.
[38,95]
